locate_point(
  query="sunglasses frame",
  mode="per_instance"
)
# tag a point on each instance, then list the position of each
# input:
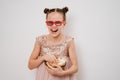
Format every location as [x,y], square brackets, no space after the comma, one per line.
[54,22]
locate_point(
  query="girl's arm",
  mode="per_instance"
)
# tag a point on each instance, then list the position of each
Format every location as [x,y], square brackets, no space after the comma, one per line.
[35,60]
[73,57]
[73,69]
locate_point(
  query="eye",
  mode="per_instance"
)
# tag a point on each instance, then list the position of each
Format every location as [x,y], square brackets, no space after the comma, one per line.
[49,23]
[58,23]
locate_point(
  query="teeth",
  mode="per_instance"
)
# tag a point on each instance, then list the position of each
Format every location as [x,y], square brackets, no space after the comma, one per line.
[54,30]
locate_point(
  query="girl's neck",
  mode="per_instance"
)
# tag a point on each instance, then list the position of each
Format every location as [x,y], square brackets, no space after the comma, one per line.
[56,39]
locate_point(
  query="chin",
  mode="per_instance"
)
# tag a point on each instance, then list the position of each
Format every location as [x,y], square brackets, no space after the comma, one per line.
[55,35]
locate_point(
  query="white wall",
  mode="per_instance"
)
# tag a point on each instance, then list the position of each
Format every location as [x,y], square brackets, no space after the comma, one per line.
[95,25]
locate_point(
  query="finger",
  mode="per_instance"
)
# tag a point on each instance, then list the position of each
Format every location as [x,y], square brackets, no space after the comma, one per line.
[53,56]
[54,60]
[59,67]
[54,69]
[49,69]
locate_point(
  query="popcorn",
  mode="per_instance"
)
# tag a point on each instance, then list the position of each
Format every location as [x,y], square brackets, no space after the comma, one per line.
[61,61]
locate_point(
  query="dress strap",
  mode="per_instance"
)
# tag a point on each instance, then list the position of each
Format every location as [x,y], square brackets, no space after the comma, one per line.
[41,39]
[68,40]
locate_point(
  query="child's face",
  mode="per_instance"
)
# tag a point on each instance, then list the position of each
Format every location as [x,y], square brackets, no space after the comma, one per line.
[55,23]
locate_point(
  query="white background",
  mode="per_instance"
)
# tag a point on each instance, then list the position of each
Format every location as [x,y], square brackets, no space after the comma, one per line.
[95,25]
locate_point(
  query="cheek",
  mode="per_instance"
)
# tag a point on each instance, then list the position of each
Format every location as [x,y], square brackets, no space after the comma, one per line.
[60,29]
[48,27]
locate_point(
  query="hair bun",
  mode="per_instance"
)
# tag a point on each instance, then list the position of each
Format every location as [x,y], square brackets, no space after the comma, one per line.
[65,9]
[46,10]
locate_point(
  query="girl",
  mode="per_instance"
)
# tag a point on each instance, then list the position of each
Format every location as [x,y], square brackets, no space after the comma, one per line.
[54,54]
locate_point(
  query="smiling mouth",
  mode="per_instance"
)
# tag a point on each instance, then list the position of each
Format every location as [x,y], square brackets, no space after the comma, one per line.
[54,30]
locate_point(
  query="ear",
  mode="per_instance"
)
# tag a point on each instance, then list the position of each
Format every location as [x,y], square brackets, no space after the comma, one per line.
[64,23]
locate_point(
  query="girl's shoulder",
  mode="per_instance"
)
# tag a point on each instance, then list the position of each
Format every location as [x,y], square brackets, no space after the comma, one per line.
[69,38]
[41,38]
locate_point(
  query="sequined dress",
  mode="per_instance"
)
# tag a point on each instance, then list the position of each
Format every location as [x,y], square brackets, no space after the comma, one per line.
[59,50]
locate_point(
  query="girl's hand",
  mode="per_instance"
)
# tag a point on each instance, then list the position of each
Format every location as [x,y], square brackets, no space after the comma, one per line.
[50,58]
[58,71]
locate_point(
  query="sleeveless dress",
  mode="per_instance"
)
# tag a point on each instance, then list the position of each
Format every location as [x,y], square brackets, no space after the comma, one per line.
[59,50]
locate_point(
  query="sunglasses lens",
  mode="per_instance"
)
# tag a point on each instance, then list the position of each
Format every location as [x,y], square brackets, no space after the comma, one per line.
[49,23]
[58,23]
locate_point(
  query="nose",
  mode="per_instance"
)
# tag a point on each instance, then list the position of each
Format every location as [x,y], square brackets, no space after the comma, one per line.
[54,25]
